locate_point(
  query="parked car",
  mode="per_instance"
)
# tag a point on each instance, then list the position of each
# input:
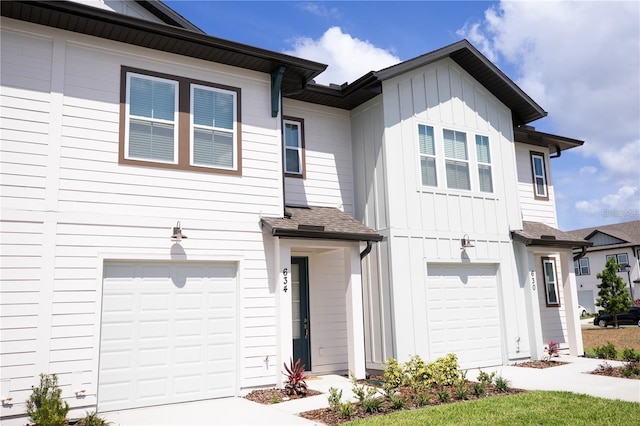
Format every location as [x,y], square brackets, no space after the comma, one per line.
[632,317]
[582,311]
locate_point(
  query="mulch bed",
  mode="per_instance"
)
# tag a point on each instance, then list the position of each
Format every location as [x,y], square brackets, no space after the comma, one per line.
[275,396]
[629,371]
[539,364]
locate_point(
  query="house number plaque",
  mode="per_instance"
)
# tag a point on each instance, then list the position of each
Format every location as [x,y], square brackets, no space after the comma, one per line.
[285,280]
[532,276]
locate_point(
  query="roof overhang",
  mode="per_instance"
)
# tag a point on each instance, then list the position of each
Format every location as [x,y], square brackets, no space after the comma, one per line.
[529,135]
[97,22]
[539,234]
[324,223]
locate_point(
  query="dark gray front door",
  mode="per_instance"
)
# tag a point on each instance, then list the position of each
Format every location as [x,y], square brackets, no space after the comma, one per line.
[300,311]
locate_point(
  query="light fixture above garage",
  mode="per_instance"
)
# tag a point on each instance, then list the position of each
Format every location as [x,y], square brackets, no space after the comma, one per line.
[465,242]
[177,233]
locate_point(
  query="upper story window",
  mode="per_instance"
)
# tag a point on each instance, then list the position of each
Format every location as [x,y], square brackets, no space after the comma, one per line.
[484,163]
[539,176]
[293,135]
[621,259]
[427,155]
[550,281]
[456,159]
[581,266]
[173,122]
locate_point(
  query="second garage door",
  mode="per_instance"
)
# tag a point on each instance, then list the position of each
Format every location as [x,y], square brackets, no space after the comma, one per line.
[168,335]
[463,313]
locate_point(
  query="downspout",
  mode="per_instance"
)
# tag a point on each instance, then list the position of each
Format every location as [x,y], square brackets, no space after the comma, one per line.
[366,250]
[581,254]
[558,152]
[364,254]
[276,92]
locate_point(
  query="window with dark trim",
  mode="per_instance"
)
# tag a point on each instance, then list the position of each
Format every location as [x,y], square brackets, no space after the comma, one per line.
[178,123]
[581,266]
[293,139]
[550,281]
[621,259]
[539,174]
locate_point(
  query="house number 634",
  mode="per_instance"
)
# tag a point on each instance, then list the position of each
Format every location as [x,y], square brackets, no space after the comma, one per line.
[533,280]
[285,280]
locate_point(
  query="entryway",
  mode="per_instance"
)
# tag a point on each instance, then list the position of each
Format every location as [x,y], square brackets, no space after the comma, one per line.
[300,323]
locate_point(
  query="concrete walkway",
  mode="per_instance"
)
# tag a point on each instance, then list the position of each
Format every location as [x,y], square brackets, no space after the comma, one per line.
[571,376]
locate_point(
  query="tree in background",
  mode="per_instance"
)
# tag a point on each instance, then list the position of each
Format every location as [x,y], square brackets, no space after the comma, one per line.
[613,296]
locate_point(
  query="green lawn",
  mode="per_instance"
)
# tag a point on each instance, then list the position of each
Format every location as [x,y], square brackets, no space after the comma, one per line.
[531,408]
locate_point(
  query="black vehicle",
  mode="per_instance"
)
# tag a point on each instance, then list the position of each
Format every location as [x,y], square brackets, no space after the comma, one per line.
[632,317]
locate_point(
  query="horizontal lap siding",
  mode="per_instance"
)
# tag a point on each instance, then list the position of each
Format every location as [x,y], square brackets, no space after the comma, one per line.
[98,209]
[533,210]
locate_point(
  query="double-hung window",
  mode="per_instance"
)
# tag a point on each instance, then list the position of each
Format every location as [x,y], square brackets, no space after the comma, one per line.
[293,134]
[427,155]
[178,123]
[621,259]
[539,176]
[456,159]
[581,266]
[152,125]
[550,281]
[484,163]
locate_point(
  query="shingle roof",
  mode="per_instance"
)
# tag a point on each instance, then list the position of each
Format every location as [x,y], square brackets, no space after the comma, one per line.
[629,232]
[539,234]
[319,222]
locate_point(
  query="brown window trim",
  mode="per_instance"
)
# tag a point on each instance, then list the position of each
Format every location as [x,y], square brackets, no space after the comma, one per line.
[184,124]
[533,175]
[302,175]
[544,280]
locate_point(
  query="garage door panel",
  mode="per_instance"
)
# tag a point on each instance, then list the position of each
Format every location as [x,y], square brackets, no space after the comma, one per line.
[463,313]
[168,334]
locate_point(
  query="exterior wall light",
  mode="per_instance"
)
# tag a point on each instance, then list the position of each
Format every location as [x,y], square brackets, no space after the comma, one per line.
[465,242]
[177,233]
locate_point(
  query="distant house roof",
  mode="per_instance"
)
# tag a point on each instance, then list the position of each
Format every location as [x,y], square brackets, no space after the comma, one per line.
[627,232]
[318,222]
[539,234]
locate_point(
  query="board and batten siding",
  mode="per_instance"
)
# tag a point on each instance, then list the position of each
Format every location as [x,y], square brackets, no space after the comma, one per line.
[426,223]
[68,206]
[328,165]
[553,318]
[534,210]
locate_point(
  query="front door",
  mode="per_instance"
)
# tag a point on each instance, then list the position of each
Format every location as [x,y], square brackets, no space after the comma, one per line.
[300,311]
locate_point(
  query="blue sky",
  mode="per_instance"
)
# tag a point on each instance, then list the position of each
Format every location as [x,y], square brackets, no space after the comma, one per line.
[579,60]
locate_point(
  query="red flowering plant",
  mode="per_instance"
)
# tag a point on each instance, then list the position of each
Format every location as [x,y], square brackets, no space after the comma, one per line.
[295,384]
[552,349]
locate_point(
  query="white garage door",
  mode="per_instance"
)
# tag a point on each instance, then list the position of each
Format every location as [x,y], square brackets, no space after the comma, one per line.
[169,333]
[463,313]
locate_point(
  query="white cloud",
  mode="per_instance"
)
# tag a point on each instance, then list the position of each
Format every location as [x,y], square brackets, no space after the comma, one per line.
[348,58]
[319,9]
[621,204]
[580,62]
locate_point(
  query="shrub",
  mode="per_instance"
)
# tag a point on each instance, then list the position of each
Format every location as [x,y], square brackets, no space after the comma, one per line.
[461,389]
[295,384]
[630,355]
[362,392]
[335,403]
[394,376]
[552,349]
[416,371]
[45,405]
[93,419]
[444,371]
[371,405]
[604,367]
[397,402]
[478,389]
[486,378]
[502,384]
[346,409]
[607,351]
[443,395]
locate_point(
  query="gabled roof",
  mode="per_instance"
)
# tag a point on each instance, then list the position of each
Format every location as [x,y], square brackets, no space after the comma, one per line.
[93,21]
[168,15]
[627,232]
[524,109]
[539,234]
[326,223]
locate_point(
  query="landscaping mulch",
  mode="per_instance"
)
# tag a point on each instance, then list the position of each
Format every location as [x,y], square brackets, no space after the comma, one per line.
[539,364]
[628,371]
[275,396]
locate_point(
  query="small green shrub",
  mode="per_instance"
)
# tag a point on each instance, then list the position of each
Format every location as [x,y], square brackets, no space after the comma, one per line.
[422,399]
[371,405]
[502,384]
[443,396]
[478,389]
[93,419]
[444,371]
[366,395]
[461,390]
[394,376]
[486,378]
[607,351]
[45,406]
[630,355]
[397,402]
[416,371]
[334,399]
[346,409]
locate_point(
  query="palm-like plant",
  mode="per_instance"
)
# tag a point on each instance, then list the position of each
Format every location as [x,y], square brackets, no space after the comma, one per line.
[295,384]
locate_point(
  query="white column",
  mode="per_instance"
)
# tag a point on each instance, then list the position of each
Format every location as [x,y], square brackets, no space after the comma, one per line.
[355,318]
[570,293]
[532,304]
[282,265]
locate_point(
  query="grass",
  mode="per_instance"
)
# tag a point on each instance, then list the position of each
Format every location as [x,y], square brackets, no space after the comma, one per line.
[532,408]
[622,338]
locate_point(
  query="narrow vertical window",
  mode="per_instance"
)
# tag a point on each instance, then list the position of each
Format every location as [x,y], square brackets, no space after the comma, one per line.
[484,163]
[550,281]
[151,119]
[456,159]
[293,134]
[584,266]
[213,127]
[539,175]
[576,267]
[427,155]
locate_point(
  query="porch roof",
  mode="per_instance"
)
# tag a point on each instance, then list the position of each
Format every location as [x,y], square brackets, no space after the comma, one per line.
[539,234]
[326,223]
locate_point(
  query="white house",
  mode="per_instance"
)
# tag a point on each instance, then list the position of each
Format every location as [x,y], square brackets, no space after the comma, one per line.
[183,214]
[620,241]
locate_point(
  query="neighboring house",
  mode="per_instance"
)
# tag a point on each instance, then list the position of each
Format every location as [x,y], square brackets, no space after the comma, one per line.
[409,212]
[620,241]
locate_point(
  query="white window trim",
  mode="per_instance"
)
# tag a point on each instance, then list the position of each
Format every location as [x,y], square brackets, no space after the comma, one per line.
[545,261]
[543,175]
[194,126]
[420,155]
[129,116]
[481,163]
[578,266]
[298,125]
[457,160]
